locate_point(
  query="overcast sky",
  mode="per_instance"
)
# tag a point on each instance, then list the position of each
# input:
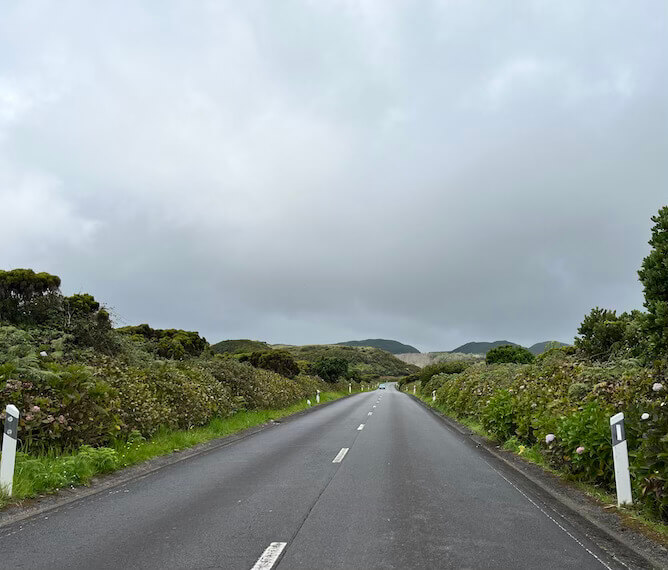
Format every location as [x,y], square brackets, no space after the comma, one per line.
[322,170]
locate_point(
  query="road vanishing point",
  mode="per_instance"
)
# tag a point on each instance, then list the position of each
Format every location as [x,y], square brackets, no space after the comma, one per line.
[339,487]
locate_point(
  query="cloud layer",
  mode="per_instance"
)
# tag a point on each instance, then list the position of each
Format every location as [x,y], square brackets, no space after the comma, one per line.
[435,172]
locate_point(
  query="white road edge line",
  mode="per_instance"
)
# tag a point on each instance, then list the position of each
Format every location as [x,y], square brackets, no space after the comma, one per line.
[551,518]
[340,455]
[269,556]
[361,427]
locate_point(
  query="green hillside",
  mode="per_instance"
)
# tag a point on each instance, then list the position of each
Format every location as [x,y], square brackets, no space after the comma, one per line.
[391,346]
[239,346]
[366,360]
[541,347]
[481,347]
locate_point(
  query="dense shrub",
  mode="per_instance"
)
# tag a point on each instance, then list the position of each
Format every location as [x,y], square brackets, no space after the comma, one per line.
[408,379]
[510,354]
[450,367]
[572,402]
[330,369]
[498,416]
[279,361]
[28,298]
[175,344]
[654,277]
[603,335]
[63,407]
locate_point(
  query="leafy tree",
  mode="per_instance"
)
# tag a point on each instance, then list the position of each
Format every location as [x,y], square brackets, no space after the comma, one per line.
[604,334]
[654,277]
[510,354]
[27,297]
[330,369]
[88,323]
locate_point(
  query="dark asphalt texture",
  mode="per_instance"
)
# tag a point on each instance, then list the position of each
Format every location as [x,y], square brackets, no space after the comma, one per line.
[410,493]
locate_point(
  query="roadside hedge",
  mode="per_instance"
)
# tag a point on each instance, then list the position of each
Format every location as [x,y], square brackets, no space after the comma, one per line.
[561,407]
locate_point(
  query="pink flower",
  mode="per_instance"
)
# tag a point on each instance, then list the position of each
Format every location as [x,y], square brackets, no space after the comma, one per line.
[580,450]
[35,408]
[28,417]
[549,438]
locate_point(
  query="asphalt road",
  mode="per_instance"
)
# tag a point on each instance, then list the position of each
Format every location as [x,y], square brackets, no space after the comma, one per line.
[408,493]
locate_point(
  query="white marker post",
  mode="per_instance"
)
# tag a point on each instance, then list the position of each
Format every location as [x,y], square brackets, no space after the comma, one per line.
[620,454]
[9,449]
[413,389]
[350,388]
[433,395]
[317,397]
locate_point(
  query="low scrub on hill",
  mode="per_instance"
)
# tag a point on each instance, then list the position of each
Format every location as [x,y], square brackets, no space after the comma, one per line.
[239,346]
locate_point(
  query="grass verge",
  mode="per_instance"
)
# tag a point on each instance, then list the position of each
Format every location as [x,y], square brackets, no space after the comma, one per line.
[633,517]
[48,473]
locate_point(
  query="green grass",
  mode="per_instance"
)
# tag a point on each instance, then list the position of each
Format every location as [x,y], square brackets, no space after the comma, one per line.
[48,473]
[634,517]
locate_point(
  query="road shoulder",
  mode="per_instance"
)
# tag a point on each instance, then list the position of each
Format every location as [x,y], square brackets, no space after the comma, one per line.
[45,503]
[605,528]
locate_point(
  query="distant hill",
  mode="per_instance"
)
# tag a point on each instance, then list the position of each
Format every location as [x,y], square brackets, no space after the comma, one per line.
[481,347]
[485,347]
[541,347]
[391,346]
[367,360]
[240,345]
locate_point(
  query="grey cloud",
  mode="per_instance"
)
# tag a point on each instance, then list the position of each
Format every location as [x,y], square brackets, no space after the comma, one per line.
[434,172]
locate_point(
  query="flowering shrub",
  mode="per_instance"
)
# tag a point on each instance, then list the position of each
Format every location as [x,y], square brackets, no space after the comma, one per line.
[66,406]
[563,406]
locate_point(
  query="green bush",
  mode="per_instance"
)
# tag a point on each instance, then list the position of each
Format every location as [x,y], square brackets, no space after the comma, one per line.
[603,335]
[498,416]
[649,458]
[62,407]
[573,401]
[330,369]
[279,361]
[509,353]
[587,430]
[28,298]
[174,344]
[654,277]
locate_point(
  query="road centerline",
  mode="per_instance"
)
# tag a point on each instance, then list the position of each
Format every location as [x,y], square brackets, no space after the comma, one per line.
[269,556]
[340,455]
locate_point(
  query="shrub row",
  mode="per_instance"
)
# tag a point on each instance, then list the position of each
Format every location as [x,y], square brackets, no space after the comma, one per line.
[66,406]
[562,407]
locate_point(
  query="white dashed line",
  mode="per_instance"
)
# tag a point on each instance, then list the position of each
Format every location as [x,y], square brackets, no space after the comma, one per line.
[269,556]
[370,414]
[340,455]
[361,427]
